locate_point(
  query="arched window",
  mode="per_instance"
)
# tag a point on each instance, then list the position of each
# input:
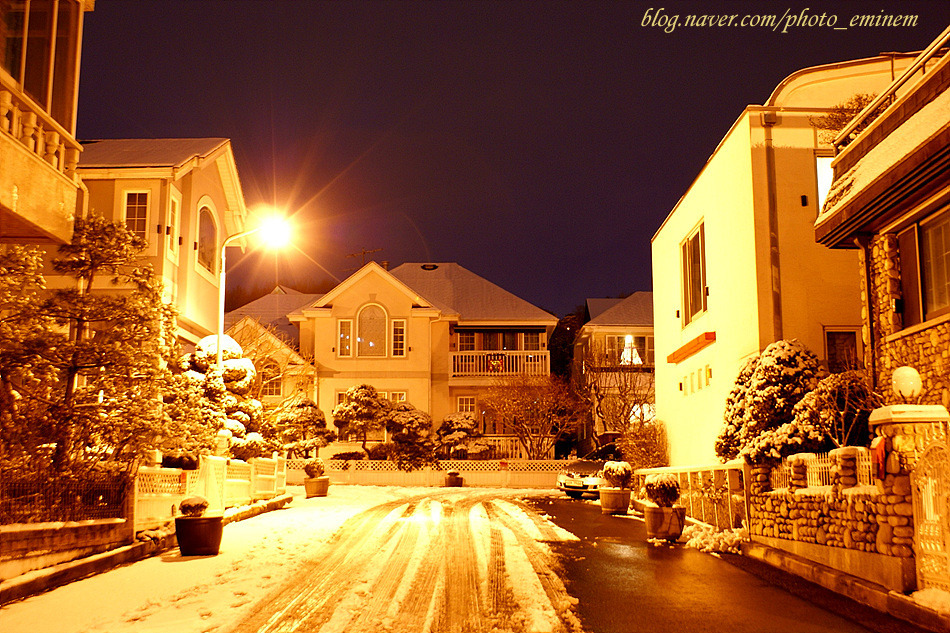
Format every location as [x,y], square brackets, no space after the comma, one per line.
[371,337]
[207,240]
[270,379]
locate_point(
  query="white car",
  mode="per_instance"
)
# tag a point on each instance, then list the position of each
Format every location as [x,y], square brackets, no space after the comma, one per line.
[580,477]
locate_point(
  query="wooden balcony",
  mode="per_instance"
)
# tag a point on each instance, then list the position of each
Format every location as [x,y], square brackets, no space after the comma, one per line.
[497,364]
[38,188]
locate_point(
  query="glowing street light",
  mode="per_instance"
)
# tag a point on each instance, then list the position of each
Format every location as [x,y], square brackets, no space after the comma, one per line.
[275,233]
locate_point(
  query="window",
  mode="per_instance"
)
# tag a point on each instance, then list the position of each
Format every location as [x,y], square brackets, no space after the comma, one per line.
[270,379]
[490,341]
[340,397]
[207,245]
[824,176]
[925,269]
[841,349]
[371,337]
[344,345]
[466,341]
[532,341]
[466,404]
[644,345]
[136,213]
[173,230]
[399,337]
[397,396]
[627,349]
[509,340]
[694,275]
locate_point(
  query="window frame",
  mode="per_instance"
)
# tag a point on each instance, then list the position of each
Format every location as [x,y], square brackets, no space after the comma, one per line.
[468,344]
[694,304]
[273,386]
[913,276]
[858,352]
[205,208]
[398,345]
[473,400]
[173,229]
[381,344]
[126,194]
[339,333]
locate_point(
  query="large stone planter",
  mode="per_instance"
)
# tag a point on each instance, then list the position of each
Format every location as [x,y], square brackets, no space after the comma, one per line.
[664,523]
[199,536]
[614,500]
[316,486]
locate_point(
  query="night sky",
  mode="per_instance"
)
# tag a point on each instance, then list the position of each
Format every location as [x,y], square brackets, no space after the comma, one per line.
[539,144]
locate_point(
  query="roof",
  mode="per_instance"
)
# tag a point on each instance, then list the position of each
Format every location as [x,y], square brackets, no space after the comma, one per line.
[149,152]
[596,306]
[635,310]
[453,288]
[272,309]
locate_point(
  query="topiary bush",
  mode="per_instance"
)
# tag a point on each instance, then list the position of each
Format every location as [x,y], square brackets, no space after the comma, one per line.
[663,489]
[618,474]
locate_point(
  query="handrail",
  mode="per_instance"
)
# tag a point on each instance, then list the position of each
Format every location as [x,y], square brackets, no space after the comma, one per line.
[843,137]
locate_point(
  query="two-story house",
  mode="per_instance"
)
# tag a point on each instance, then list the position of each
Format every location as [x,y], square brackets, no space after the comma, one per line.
[735,264]
[433,334]
[184,197]
[40,194]
[890,201]
[614,357]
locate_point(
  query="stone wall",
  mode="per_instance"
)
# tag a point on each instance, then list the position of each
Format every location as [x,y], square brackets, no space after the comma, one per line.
[926,350]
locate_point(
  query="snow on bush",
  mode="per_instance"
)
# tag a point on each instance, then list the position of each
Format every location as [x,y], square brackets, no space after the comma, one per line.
[727,444]
[206,350]
[706,538]
[663,489]
[618,474]
[239,375]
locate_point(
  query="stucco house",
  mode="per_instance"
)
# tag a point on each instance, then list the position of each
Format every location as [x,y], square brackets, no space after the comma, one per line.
[890,201]
[615,356]
[735,264]
[40,192]
[433,334]
[184,197]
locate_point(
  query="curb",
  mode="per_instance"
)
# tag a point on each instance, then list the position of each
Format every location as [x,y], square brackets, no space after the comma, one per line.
[41,580]
[865,592]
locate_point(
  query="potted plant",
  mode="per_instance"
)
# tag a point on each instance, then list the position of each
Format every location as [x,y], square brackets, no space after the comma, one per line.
[316,483]
[663,519]
[453,479]
[615,496]
[197,534]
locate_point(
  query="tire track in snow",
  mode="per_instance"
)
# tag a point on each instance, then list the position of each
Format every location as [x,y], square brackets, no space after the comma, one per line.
[442,562]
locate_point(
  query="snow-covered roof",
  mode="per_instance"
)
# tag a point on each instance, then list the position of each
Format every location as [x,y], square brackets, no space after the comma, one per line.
[272,309]
[455,289]
[635,310]
[149,152]
[596,306]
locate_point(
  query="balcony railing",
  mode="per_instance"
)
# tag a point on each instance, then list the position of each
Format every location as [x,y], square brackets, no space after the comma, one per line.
[36,130]
[494,364]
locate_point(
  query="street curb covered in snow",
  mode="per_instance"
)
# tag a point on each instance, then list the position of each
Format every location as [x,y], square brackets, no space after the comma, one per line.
[41,580]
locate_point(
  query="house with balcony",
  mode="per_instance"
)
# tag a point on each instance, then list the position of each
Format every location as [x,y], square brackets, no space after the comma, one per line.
[614,354]
[40,193]
[184,197]
[735,263]
[434,334]
[890,205]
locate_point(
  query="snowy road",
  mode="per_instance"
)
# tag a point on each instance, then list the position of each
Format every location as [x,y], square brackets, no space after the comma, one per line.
[441,561]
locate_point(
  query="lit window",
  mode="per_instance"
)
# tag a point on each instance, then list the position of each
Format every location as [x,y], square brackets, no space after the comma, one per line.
[344,345]
[207,240]
[644,345]
[174,228]
[270,380]
[824,176]
[399,337]
[371,338]
[136,213]
[532,341]
[397,396]
[466,404]
[694,275]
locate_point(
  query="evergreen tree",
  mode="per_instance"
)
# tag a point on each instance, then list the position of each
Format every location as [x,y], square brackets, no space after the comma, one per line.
[361,413]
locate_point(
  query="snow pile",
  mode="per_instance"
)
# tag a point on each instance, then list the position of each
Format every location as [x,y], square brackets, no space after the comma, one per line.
[933,598]
[706,538]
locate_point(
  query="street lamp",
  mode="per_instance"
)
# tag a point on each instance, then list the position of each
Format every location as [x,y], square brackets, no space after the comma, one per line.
[275,233]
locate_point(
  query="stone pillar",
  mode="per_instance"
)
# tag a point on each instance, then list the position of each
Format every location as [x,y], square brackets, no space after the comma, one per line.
[798,465]
[907,430]
[844,468]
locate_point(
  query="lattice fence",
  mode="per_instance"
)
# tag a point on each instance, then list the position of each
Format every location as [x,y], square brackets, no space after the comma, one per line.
[481,473]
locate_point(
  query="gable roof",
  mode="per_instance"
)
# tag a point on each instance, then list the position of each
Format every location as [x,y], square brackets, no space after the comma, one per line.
[272,309]
[635,310]
[149,152]
[456,289]
[596,306]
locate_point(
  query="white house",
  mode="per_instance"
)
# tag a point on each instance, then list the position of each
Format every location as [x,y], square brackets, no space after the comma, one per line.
[735,264]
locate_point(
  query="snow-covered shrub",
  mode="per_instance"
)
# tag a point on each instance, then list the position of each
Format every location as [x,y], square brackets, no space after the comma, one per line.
[193,506]
[238,375]
[459,435]
[707,539]
[727,444]
[206,350]
[663,489]
[618,474]
[314,468]
[840,407]
[781,376]
[250,446]
[349,455]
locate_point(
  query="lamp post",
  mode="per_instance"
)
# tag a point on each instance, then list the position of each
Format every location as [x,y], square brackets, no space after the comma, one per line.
[276,233]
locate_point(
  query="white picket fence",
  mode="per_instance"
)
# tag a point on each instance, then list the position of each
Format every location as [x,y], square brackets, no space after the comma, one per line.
[489,473]
[225,483]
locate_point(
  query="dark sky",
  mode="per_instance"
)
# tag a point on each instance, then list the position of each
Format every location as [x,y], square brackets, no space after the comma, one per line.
[539,144]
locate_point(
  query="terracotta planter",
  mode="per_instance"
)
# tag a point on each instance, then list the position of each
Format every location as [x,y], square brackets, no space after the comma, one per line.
[614,500]
[454,481]
[199,536]
[316,486]
[664,523]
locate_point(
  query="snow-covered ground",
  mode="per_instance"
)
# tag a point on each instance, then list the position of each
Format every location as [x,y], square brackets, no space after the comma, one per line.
[202,594]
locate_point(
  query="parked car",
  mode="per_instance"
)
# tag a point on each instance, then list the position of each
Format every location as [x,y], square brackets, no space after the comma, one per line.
[580,477]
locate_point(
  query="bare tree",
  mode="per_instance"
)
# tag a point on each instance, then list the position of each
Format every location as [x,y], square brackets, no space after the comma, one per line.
[619,394]
[275,356]
[538,410]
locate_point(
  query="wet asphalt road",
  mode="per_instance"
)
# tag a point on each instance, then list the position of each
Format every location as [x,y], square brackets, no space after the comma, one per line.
[624,584]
